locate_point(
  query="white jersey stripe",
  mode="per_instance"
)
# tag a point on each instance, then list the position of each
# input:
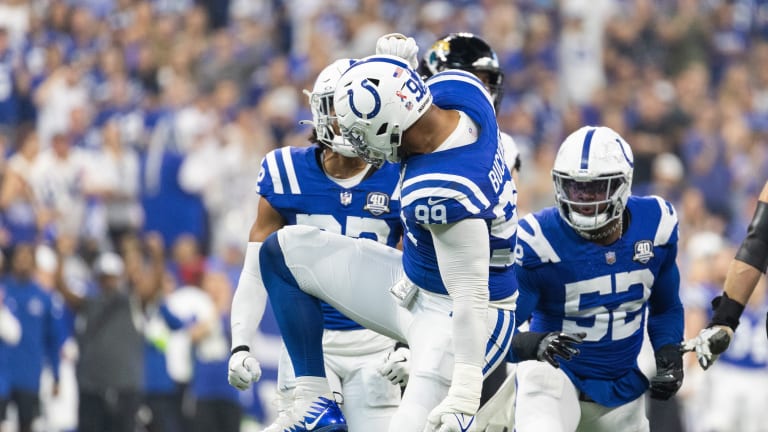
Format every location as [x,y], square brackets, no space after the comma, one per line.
[667,224]
[274,172]
[506,324]
[537,241]
[448,178]
[438,192]
[293,182]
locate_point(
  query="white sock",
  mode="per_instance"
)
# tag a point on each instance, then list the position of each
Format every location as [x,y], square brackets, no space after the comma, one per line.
[307,390]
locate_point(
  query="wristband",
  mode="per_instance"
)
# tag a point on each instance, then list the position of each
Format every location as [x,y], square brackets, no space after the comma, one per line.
[727,311]
[240,348]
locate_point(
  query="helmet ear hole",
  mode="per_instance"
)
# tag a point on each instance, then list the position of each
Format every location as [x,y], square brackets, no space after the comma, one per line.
[382,129]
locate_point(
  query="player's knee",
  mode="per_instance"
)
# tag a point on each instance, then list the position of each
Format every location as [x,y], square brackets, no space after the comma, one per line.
[270,249]
[272,262]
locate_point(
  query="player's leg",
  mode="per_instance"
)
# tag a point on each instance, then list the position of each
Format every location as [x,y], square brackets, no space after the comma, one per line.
[498,412]
[301,264]
[370,400]
[432,360]
[629,417]
[546,399]
[286,384]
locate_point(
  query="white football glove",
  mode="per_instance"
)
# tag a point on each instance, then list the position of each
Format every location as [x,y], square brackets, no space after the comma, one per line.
[447,417]
[243,370]
[398,45]
[396,366]
[709,344]
[456,413]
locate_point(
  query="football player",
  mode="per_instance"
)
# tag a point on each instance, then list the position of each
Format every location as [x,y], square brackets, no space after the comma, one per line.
[595,263]
[326,186]
[451,293]
[466,51]
[743,274]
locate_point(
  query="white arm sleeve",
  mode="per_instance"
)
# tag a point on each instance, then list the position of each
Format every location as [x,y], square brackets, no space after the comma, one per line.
[463,256]
[249,300]
[10,329]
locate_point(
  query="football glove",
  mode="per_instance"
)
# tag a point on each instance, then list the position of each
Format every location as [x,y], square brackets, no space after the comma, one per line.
[243,370]
[398,45]
[709,344]
[451,416]
[396,366]
[669,372]
[543,346]
[456,413]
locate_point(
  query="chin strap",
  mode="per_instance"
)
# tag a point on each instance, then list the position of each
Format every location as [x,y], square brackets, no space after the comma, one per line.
[599,235]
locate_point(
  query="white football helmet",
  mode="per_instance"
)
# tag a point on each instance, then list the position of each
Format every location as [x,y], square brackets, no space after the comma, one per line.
[376,100]
[593,177]
[323,112]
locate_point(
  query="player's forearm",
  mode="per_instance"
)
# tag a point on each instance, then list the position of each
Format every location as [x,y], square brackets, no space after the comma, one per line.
[741,281]
[462,254]
[249,300]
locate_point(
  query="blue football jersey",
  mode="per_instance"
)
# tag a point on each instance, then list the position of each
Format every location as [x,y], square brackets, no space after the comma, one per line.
[293,182]
[471,181]
[573,285]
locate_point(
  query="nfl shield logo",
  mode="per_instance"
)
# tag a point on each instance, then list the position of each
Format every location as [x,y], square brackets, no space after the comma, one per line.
[346,198]
[610,257]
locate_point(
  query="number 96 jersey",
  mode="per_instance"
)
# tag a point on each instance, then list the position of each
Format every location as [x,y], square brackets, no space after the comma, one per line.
[574,285]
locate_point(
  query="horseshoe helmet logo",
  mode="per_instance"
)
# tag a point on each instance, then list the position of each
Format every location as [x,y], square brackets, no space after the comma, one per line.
[376,100]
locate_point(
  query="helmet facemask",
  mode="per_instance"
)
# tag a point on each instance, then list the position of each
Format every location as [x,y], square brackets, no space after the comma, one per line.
[356,137]
[326,125]
[590,203]
[324,119]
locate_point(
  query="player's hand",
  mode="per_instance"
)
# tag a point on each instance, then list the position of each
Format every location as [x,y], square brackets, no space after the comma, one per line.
[398,45]
[709,344]
[669,372]
[243,370]
[543,346]
[396,366]
[448,417]
[561,345]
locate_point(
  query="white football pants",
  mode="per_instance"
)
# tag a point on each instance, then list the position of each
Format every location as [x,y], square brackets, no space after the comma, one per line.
[354,276]
[548,401]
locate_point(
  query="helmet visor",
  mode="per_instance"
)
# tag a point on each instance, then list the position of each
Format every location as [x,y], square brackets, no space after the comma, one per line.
[588,201]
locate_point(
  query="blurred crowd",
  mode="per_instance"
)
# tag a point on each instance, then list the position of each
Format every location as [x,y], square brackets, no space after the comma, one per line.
[120,118]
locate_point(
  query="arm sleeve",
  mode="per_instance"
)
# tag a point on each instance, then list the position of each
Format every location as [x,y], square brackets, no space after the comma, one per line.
[249,301]
[665,310]
[462,251]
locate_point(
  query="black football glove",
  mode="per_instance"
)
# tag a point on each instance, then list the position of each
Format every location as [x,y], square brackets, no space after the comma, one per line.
[669,372]
[545,346]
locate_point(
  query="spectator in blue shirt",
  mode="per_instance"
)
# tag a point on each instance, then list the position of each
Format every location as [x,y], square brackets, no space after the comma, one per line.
[10,333]
[41,339]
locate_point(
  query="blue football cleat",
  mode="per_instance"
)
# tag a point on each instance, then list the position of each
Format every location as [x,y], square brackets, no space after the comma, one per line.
[323,415]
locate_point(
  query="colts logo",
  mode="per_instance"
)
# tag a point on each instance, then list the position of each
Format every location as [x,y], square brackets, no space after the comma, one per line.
[377,203]
[643,251]
[376,100]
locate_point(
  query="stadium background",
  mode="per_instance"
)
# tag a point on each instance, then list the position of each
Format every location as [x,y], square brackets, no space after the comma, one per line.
[184,97]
